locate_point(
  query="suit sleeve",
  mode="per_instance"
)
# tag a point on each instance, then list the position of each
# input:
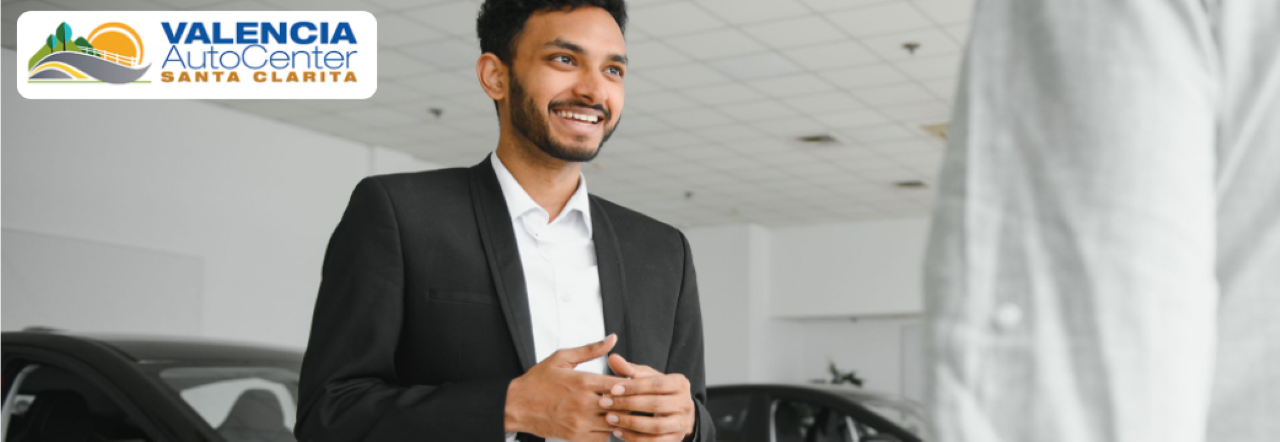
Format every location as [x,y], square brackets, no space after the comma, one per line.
[686,347]
[349,389]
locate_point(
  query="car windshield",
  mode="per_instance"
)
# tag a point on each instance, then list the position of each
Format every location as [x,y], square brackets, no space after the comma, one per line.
[241,403]
[907,414]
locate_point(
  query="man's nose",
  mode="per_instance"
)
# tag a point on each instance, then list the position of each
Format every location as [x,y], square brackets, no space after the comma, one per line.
[590,88]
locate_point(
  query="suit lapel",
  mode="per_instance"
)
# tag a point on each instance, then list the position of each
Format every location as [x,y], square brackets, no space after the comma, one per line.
[612,278]
[503,255]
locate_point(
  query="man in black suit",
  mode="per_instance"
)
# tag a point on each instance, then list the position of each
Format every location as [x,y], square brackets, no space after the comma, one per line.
[439,316]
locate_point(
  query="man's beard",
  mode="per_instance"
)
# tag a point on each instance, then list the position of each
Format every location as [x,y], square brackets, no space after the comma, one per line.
[531,123]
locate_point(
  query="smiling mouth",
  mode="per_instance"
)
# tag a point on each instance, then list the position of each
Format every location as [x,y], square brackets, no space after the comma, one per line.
[580,118]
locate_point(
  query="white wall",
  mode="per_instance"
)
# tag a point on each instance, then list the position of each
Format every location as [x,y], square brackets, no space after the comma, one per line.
[253,200]
[779,304]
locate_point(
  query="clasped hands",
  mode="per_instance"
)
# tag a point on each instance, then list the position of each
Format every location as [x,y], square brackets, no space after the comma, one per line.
[554,401]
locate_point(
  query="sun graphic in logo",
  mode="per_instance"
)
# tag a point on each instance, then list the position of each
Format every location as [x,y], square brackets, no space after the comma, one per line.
[112,54]
[120,39]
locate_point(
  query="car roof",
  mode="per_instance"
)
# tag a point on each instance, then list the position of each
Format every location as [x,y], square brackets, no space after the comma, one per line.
[156,348]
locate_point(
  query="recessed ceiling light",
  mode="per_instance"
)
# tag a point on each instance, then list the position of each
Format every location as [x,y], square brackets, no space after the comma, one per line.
[818,139]
[911,184]
[939,130]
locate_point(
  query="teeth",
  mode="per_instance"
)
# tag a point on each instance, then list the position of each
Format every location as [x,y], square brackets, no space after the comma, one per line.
[579,117]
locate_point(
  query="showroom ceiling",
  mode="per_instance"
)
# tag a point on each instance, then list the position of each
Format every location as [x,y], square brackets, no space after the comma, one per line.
[719,91]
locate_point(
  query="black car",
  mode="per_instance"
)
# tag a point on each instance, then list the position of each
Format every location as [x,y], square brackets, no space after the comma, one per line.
[72,387]
[812,413]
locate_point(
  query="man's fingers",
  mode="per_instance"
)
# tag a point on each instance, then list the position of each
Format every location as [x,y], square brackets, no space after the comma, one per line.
[664,384]
[654,404]
[645,425]
[624,368]
[571,357]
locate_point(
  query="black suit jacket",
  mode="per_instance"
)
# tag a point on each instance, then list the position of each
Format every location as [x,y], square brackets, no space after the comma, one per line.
[422,319]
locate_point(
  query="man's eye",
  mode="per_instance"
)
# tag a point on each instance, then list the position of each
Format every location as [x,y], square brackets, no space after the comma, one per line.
[563,59]
[615,71]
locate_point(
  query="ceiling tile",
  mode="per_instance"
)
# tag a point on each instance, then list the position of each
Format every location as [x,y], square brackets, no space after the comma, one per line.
[728,132]
[694,118]
[865,76]
[390,91]
[672,140]
[392,64]
[933,42]
[835,5]
[115,5]
[675,18]
[378,117]
[723,94]
[946,66]
[640,125]
[741,12]
[832,55]
[944,88]
[890,95]
[823,102]
[795,32]
[447,54]
[716,44]
[761,110]
[402,4]
[677,77]
[12,10]
[924,112]
[880,19]
[239,5]
[791,85]
[855,118]
[638,83]
[874,134]
[958,32]
[946,11]
[651,54]
[444,83]
[397,32]
[326,5]
[660,102]
[749,67]
[455,18]
[792,127]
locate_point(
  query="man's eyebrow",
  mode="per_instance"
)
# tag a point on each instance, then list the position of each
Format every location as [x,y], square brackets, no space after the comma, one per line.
[571,47]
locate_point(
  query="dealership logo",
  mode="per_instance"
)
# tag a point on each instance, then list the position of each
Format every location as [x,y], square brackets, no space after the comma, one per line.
[112,53]
[257,55]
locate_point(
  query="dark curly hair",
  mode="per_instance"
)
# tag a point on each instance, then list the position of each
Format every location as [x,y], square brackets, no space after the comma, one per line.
[500,21]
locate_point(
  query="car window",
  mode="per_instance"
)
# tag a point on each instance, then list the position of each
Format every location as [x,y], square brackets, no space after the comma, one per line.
[53,403]
[796,420]
[242,404]
[730,413]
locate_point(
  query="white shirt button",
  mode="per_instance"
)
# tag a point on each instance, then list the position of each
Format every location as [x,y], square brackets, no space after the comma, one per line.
[564,296]
[1007,316]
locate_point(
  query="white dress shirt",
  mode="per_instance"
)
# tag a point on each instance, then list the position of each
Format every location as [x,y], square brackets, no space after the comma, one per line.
[559,262]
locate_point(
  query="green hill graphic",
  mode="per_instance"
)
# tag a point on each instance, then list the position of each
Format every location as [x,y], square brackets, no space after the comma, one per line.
[59,41]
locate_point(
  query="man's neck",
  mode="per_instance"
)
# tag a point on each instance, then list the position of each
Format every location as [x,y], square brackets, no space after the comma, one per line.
[549,181]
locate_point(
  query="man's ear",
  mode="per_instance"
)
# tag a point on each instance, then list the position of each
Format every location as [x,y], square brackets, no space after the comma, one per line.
[492,73]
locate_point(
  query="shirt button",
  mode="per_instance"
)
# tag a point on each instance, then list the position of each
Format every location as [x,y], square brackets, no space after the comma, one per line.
[564,297]
[1007,316]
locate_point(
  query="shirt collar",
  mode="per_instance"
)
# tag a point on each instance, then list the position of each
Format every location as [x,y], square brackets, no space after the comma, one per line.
[519,202]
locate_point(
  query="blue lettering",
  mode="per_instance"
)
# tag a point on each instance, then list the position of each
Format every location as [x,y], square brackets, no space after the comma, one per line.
[173,36]
[174,56]
[217,35]
[197,33]
[246,32]
[343,32]
[297,39]
[278,32]
[246,57]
